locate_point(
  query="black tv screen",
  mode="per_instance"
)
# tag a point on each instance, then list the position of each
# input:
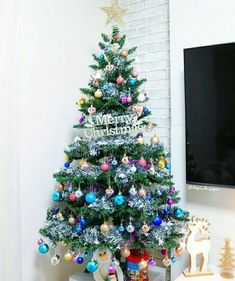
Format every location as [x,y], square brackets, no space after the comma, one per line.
[210,114]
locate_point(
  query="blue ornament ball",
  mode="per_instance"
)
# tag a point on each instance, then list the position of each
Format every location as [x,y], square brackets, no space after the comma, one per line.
[82,221]
[149,197]
[168,166]
[166,211]
[56,196]
[157,221]
[85,255]
[92,266]
[119,199]
[121,228]
[173,259]
[106,87]
[90,197]
[132,82]
[56,210]
[159,193]
[146,110]
[43,249]
[80,260]
[67,164]
[70,189]
[100,56]
[179,213]
[114,162]
[79,229]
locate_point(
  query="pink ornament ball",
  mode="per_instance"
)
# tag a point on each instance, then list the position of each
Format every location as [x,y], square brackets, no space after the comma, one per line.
[142,192]
[40,242]
[120,80]
[134,73]
[170,202]
[124,99]
[129,99]
[152,262]
[142,163]
[72,196]
[111,269]
[105,167]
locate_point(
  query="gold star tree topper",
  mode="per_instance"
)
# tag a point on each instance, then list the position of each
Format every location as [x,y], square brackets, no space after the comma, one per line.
[115,12]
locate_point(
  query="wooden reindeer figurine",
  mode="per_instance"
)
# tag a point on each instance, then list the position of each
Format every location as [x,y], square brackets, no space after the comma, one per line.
[198,246]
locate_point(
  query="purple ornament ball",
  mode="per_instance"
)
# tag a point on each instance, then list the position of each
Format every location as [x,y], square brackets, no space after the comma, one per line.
[111,269]
[170,202]
[152,262]
[81,120]
[124,99]
[172,190]
[164,252]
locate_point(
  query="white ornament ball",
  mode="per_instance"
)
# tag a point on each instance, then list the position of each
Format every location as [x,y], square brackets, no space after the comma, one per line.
[141,97]
[130,228]
[133,191]
[77,139]
[78,193]
[55,260]
[133,169]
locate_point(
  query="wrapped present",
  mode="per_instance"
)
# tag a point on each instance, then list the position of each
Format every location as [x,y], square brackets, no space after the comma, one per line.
[134,270]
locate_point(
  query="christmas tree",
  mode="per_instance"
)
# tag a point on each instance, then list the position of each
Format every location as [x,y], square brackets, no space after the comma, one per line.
[114,190]
[227,260]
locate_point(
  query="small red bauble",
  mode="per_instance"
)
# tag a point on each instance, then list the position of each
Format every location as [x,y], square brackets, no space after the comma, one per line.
[120,80]
[72,196]
[142,162]
[142,192]
[105,167]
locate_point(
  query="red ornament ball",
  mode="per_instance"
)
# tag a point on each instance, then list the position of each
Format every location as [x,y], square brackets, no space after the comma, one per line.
[142,162]
[120,80]
[72,196]
[105,167]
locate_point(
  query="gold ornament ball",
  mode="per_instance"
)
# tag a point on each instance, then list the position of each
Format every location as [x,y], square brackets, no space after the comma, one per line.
[68,257]
[85,165]
[125,252]
[143,264]
[60,187]
[124,53]
[104,228]
[179,251]
[155,139]
[60,217]
[162,163]
[82,101]
[81,162]
[72,220]
[98,94]
[149,126]
[64,244]
[141,141]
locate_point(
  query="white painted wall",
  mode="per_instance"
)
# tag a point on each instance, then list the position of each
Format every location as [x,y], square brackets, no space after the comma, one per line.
[196,23]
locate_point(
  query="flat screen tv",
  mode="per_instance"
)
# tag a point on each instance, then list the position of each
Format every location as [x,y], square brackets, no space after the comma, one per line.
[210,114]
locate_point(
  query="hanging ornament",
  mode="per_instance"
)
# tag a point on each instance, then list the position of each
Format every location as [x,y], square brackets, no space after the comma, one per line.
[100,57]
[104,167]
[164,252]
[133,191]
[79,229]
[98,75]
[159,193]
[81,120]
[166,261]
[121,228]
[72,220]
[109,191]
[125,252]
[124,53]
[143,264]
[173,259]
[66,164]
[64,244]
[152,170]
[43,248]
[157,221]
[125,159]
[85,165]
[68,256]
[40,241]
[132,82]
[179,251]
[82,221]
[172,190]
[91,110]
[130,228]
[111,269]
[119,199]
[60,187]
[142,162]
[138,109]
[133,169]
[78,193]
[104,228]
[152,262]
[155,139]
[146,110]
[141,97]
[168,166]
[129,99]
[106,87]
[79,260]
[55,260]
[166,211]
[115,47]
[134,73]
[81,101]
[123,99]
[72,197]
[60,216]
[96,82]
[92,266]
[149,126]
[162,162]
[170,201]
[120,80]
[140,140]
[109,67]
[56,196]
[90,197]
[98,94]
[114,162]
[145,228]
[178,213]
[142,192]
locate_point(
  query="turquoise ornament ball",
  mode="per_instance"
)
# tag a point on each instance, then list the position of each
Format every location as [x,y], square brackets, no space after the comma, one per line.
[106,87]
[132,82]
[119,199]
[90,197]
[179,213]
[56,196]
[92,266]
[100,56]
[121,228]
[43,249]
[79,229]
[168,166]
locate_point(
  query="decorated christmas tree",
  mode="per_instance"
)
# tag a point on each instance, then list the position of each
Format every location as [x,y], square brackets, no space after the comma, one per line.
[115,190]
[227,260]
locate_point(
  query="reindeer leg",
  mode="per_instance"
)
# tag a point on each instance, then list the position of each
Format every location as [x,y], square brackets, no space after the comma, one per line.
[205,264]
[202,262]
[193,264]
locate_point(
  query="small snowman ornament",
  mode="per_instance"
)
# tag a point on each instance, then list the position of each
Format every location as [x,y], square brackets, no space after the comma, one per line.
[104,260]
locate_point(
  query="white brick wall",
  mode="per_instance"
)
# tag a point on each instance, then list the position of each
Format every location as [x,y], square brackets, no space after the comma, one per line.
[147,27]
